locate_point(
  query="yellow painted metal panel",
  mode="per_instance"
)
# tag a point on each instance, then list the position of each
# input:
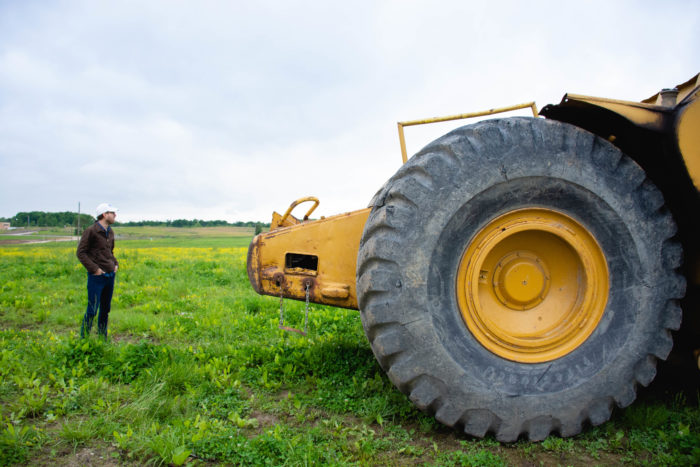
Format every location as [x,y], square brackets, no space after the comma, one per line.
[647,116]
[684,90]
[688,134]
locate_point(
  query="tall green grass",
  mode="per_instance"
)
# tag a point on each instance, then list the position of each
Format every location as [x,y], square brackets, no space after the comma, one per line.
[195,371]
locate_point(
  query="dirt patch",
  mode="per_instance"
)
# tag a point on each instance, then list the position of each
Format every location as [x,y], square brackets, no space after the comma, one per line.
[23,232]
[131,339]
[97,454]
[12,241]
[265,420]
[55,239]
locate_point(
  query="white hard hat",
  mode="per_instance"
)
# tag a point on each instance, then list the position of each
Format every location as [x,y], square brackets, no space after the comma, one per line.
[105,207]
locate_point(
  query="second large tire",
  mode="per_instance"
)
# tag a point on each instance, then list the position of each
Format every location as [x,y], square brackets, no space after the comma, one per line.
[429,218]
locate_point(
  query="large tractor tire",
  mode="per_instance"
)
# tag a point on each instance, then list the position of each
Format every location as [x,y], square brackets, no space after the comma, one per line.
[517,276]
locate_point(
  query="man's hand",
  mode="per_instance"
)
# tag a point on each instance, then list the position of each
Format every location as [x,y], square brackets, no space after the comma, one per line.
[116,268]
[99,272]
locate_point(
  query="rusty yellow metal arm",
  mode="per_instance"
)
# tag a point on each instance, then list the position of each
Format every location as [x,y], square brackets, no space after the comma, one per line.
[320,254]
[402,138]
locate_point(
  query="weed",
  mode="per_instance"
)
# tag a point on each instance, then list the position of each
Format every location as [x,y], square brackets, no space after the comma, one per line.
[558,445]
[472,458]
[168,445]
[16,442]
[78,431]
[33,401]
[652,416]
[224,403]
[131,361]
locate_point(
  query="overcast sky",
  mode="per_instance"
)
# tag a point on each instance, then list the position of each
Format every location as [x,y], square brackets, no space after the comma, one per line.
[232,109]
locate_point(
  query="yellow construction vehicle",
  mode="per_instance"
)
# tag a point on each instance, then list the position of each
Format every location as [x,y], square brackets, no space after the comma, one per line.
[519,276]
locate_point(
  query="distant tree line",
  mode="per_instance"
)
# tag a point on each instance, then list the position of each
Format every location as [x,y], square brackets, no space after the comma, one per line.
[191,223]
[50,219]
[62,219]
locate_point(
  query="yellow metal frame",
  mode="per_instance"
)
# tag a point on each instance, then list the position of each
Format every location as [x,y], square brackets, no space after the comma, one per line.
[402,139]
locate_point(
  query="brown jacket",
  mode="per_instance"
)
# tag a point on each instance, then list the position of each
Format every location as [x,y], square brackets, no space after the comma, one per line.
[96,248]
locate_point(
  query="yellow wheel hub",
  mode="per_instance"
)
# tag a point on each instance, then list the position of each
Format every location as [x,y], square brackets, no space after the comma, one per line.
[532,285]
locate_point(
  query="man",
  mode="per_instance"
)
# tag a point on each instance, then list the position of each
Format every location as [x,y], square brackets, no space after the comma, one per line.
[96,252]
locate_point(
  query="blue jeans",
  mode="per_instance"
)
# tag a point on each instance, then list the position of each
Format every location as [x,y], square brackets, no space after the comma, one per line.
[100,289]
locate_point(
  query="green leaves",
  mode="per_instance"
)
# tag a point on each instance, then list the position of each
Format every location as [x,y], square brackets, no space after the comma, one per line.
[16,442]
[180,455]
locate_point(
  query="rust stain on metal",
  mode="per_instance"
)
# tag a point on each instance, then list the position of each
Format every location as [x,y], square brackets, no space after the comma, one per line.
[280,280]
[253,266]
[311,283]
[277,232]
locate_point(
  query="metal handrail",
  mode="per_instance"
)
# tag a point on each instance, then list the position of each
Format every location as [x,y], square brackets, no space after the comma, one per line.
[402,139]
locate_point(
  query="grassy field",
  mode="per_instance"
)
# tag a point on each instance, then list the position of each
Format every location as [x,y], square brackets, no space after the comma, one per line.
[196,372]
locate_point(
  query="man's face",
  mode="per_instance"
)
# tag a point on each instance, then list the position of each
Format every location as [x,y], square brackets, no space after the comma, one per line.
[110,217]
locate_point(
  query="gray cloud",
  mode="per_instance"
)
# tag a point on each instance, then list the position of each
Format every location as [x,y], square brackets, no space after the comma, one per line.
[232,109]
